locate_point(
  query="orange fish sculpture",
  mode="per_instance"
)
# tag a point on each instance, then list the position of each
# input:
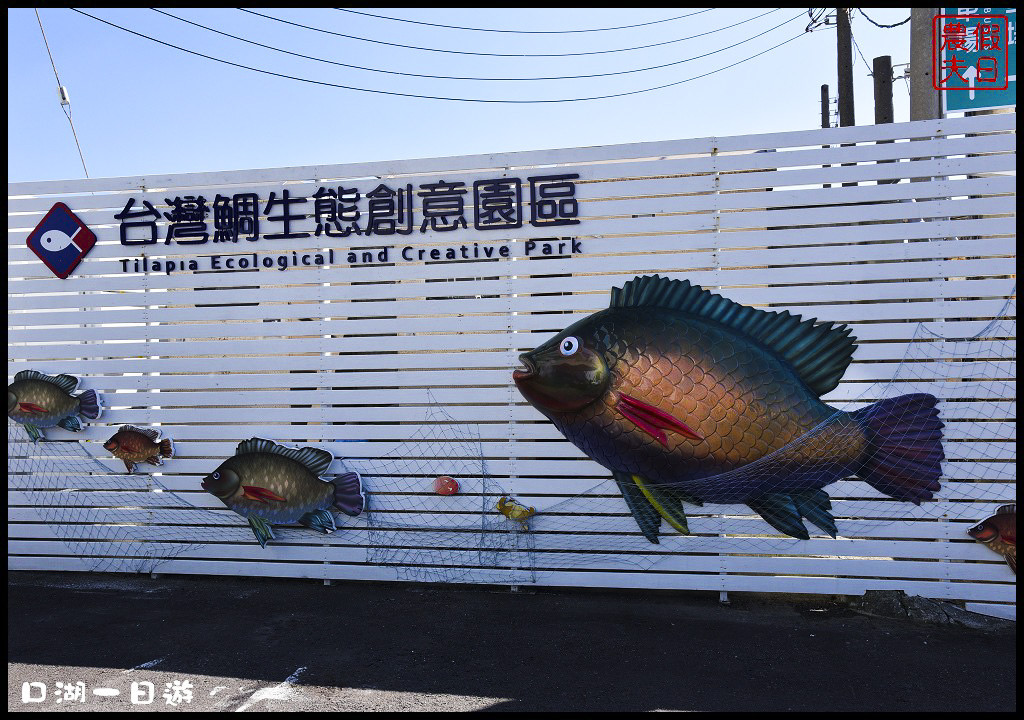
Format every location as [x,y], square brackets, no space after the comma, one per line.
[685,395]
[134,445]
[999,533]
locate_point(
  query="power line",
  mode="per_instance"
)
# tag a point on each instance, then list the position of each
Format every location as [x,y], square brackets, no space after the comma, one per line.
[524,32]
[456,77]
[67,112]
[519,55]
[882,26]
[430,97]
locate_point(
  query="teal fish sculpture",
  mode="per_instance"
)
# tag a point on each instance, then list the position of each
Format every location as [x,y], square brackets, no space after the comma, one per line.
[688,397]
[37,400]
[268,483]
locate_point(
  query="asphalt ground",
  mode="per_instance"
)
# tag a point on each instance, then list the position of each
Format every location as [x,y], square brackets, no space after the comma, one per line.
[257,644]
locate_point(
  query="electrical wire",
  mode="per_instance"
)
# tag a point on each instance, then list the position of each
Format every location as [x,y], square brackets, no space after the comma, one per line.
[882,26]
[431,97]
[871,72]
[457,77]
[524,32]
[67,113]
[518,55]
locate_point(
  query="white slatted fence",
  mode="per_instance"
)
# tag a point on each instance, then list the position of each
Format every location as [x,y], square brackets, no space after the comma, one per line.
[906,231]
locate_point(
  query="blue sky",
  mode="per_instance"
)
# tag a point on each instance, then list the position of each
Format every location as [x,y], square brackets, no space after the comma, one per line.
[140,107]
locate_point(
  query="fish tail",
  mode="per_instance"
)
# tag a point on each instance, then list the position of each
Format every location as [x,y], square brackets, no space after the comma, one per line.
[348,493]
[903,456]
[166,448]
[89,405]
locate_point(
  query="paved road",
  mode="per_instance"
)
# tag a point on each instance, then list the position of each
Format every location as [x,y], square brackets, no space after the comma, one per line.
[263,644]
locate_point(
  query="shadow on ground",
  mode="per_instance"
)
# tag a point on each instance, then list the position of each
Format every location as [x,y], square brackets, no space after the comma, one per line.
[554,650]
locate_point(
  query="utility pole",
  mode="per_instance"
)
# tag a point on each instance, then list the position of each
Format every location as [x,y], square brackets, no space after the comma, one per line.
[844,57]
[824,107]
[925,102]
[826,120]
[881,71]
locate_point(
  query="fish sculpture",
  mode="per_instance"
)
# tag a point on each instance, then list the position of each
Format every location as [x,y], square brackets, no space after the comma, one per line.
[999,533]
[268,483]
[134,445]
[37,400]
[686,396]
[514,510]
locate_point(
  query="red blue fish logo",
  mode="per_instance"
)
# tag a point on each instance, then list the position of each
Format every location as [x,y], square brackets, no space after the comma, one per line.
[61,240]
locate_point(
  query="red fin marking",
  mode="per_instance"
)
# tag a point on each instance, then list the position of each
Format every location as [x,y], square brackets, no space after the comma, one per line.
[261,494]
[637,420]
[31,408]
[648,417]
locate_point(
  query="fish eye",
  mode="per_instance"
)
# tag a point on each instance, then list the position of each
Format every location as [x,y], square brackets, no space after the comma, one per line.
[216,476]
[569,346]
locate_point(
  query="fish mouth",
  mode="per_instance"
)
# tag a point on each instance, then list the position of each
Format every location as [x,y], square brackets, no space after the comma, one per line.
[530,369]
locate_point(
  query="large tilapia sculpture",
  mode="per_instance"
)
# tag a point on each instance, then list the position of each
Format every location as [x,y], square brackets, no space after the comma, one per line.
[268,483]
[687,396]
[37,400]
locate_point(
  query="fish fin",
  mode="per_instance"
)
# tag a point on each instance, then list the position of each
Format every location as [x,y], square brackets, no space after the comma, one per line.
[1007,509]
[819,354]
[167,447]
[815,505]
[319,520]
[652,420]
[254,492]
[646,516]
[89,404]
[667,505]
[903,457]
[155,460]
[779,511]
[261,529]
[348,493]
[152,433]
[32,430]
[314,459]
[129,466]
[71,423]
[67,383]
[1011,560]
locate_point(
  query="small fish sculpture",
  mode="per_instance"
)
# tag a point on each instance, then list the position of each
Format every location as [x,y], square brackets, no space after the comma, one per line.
[514,510]
[37,400]
[999,533]
[135,445]
[446,485]
[685,395]
[267,483]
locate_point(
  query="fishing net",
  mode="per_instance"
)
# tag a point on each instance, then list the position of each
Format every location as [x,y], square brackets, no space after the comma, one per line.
[108,522]
[135,523]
